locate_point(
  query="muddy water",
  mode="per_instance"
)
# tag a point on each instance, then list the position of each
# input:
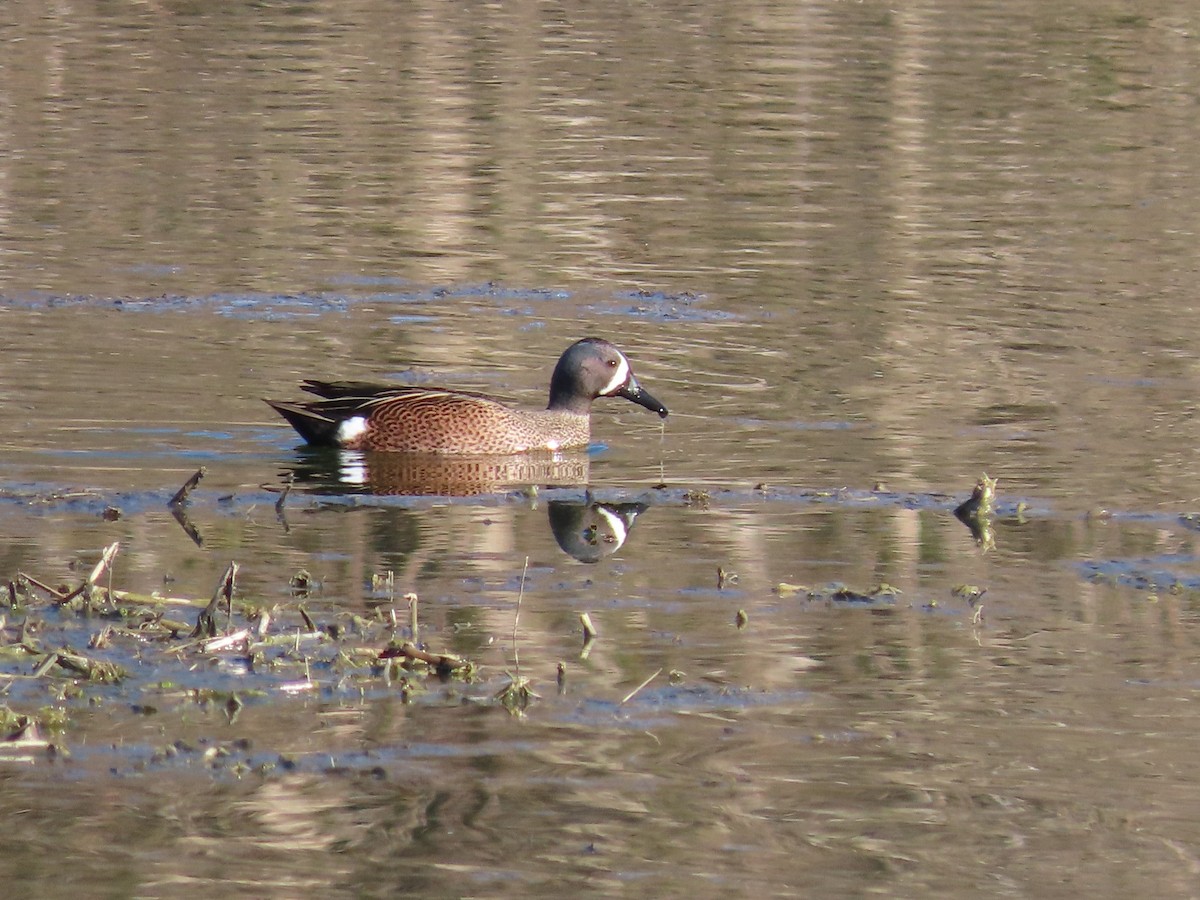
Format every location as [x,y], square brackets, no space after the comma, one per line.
[863,254]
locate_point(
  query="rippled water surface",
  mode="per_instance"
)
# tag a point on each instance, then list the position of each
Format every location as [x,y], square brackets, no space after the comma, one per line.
[864,253]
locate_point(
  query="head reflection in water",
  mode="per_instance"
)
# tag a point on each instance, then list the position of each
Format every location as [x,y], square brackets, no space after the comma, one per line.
[590,531]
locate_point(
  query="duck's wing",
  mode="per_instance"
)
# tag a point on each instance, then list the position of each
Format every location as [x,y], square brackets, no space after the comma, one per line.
[397,417]
[367,391]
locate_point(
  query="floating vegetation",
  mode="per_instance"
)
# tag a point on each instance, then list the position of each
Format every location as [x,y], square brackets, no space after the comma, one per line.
[843,594]
[517,694]
[969,592]
[302,583]
[839,592]
[976,512]
[981,501]
[73,644]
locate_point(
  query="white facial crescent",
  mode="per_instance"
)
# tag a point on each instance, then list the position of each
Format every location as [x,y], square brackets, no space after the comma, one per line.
[619,377]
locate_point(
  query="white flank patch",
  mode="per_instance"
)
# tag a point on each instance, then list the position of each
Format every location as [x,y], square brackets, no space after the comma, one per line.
[552,445]
[617,524]
[351,428]
[621,376]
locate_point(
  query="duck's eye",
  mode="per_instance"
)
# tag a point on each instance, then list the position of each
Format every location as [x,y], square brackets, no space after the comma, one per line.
[612,363]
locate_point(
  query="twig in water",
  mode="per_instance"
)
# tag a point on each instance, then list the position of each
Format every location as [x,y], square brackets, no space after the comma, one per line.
[280,512]
[516,619]
[515,695]
[53,592]
[632,693]
[414,624]
[224,643]
[181,495]
[443,663]
[206,622]
[287,489]
[106,557]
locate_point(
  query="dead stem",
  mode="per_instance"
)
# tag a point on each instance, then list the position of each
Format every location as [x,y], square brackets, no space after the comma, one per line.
[515,695]
[443,663]
[181,495]
[517,618]
[287,489]
[414,625]
[633,693]
[58,595]
[206,623]
[106,558]
[589,630]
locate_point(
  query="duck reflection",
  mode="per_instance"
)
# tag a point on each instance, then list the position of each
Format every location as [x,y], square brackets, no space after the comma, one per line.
[585,528]
[590,530]
[427,474]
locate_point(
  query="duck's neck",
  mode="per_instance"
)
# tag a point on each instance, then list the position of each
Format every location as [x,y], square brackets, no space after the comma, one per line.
[564,399]
[578,408]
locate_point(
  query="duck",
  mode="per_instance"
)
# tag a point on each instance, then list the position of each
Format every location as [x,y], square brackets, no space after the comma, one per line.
[356,415]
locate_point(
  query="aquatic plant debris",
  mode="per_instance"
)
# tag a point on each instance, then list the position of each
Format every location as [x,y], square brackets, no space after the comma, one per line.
[136,646]
[981,501]
[976,512]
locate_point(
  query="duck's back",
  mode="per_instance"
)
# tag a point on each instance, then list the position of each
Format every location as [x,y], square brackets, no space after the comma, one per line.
[435,420]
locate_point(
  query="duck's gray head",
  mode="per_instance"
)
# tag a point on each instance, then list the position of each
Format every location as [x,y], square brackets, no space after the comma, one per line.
[593,368]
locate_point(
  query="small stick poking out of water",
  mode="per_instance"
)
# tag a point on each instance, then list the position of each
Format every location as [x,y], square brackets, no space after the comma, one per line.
[106,559]
[287,489]
[589,630]
[634,692]
[206,622]
[414,621]
[517,618]
[517,694]
[181,495]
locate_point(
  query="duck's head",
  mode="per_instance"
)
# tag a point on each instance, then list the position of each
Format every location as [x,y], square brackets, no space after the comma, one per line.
[593,368]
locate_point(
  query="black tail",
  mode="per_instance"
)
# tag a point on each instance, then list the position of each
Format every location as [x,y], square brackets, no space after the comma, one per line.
[316,429]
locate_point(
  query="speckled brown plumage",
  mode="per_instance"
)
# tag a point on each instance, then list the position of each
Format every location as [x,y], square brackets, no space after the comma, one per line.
[440,421]
[360,416]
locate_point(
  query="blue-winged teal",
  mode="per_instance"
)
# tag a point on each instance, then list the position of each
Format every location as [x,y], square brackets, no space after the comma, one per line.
[358,416]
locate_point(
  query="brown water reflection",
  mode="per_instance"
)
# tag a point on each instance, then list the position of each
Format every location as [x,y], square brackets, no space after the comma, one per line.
[862,253]
[427,474]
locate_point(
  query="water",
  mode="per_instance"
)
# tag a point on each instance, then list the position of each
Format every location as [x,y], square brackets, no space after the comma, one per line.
[864,254]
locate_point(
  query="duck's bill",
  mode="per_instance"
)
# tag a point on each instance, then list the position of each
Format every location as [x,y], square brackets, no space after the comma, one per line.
[633,391]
